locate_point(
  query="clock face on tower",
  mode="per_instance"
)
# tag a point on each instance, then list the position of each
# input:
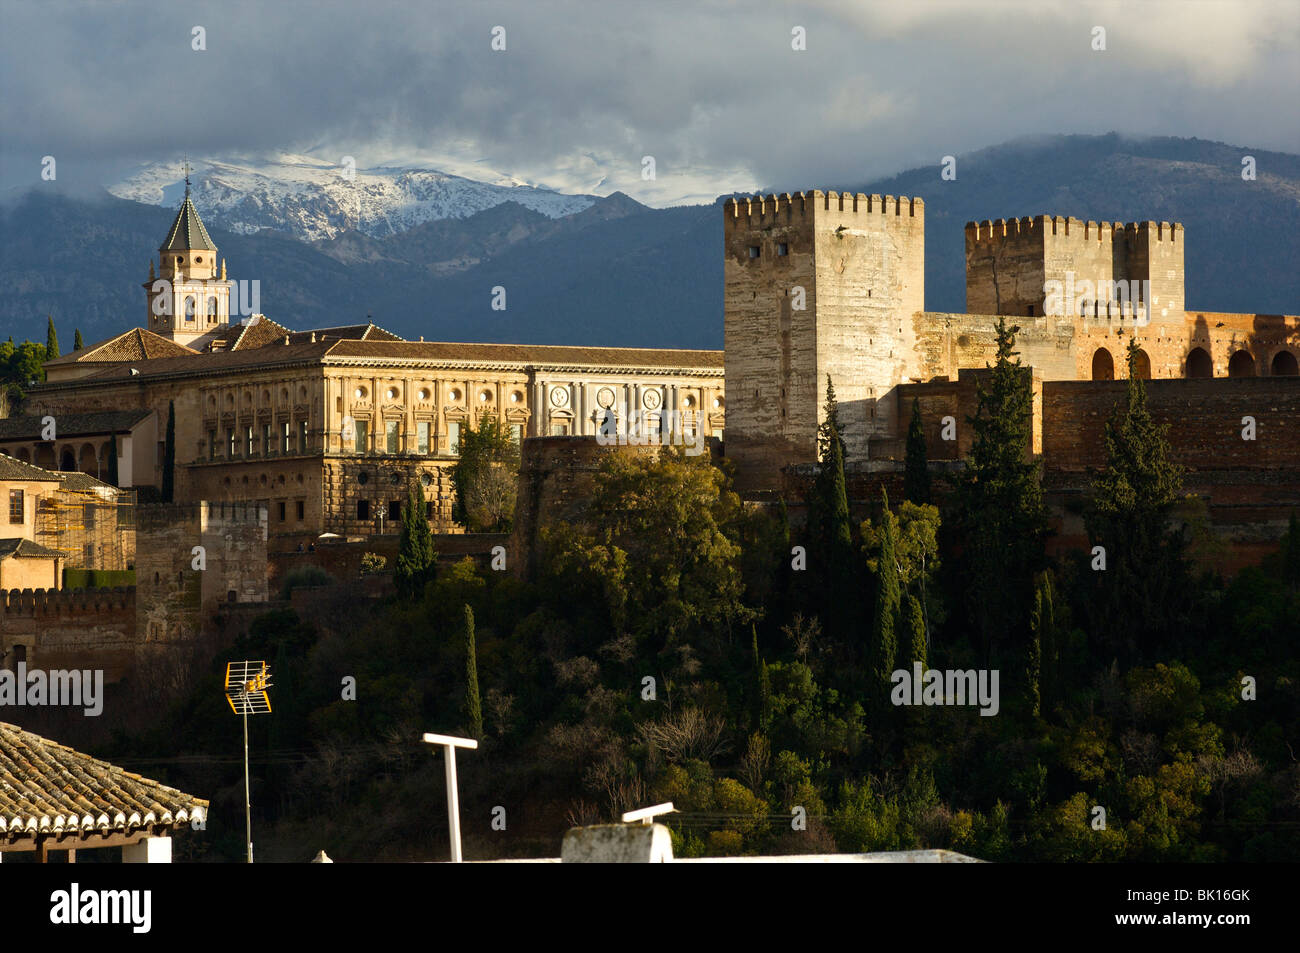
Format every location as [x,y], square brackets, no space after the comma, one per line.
[559,397]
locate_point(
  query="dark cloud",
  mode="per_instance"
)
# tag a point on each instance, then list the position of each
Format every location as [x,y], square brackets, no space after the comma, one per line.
[712,90]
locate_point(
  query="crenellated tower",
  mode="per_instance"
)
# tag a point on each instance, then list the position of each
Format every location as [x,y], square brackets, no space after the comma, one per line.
[816,284]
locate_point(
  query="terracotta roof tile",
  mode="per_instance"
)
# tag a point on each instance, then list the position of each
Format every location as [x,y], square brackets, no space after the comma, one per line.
[137,344]
[20,548]
[527,354]
[29,426]
[46,787]
[11,469]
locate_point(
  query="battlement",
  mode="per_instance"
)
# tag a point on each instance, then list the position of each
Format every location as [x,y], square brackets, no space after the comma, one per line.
[205,514]
[48,602]
[800,208]
[1005,229]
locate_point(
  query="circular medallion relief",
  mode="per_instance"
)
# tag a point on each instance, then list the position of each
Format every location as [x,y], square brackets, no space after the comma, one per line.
[559,397]
[651,399]
[605,396]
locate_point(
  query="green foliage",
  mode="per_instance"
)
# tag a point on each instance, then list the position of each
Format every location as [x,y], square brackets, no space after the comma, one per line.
[1141,599]
[914,649]
[97,578]
[51,340]
[169,455]
[416,561]
[762,691]
[830,535]
[21,365]
[111,476]
[77,343]
[473,704]
[999,510]
[916,471]
[304,577]
[373,564]
[484,478]
[883,648]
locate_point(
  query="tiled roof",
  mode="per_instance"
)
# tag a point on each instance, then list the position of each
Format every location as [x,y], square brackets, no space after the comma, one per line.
[526,354]
[11,469]
[29,426]
[347,332]
[137,344]
[20,548]
[254,333]
[48,788]
[211,363]
[75,480]
[187,231]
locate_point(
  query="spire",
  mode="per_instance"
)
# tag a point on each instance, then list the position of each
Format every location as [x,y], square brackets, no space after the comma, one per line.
[187,231]
[187,177]
[223,269]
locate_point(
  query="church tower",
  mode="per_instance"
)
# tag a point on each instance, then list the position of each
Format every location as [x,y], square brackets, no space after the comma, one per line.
[188,302]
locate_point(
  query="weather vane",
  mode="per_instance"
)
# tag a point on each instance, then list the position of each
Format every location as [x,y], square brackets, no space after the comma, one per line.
[185,164]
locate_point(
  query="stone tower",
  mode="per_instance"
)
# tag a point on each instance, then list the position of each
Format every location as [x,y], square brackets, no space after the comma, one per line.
[1106,270]
[817,284]
[188,302]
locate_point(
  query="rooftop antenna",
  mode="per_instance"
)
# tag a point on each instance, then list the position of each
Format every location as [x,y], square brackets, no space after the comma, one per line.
[246,685]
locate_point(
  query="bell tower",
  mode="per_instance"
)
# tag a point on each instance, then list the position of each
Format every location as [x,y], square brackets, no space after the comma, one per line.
[187,301]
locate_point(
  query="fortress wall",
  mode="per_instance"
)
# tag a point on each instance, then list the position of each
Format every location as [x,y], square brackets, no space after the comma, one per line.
[65,629]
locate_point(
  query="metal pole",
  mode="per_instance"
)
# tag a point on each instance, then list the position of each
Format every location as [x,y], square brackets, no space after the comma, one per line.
[453,806]
[248,802]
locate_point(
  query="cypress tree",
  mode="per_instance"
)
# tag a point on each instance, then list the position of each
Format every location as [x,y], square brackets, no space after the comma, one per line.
[77,343]
[916,475]
[999,506]
[112,460]
[1044,657]
[762,687]
[415,564]
[473,704]
[914,629]
[884,637]
[1139,599]
[169,455]
[51,340]
[829,530]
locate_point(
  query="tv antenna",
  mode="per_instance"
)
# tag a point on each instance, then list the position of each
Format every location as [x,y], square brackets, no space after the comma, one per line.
[246,685]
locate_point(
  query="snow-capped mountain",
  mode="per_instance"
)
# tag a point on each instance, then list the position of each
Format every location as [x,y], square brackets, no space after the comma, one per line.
[313,200]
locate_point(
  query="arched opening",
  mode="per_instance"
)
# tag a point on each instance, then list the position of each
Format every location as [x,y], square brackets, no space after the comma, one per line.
[1199,363]
[44,456]
[1241,364]
[86,460]
[68,462]
[189,310]
[212,311]
[1284,364]
[1142,365]
[1103,365]
[23,454]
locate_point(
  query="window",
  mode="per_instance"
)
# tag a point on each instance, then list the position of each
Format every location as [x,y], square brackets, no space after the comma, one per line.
[268,445]
[362,439]
[753,251]
[428,509]
[248,441]
[517,432]
[559,430]
[285,437]
[363,509]
[453,437]
[212,445]
[302,510]
[394,510]
[302,436]
[391,429]
[422,437]
[782,248]
[230,443]
[281,508]
[17,508]
[88,516]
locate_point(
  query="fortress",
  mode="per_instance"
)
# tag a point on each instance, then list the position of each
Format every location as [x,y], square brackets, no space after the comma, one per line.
[831,284]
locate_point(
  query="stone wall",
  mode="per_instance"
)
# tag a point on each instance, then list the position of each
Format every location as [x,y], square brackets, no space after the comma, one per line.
[82,628]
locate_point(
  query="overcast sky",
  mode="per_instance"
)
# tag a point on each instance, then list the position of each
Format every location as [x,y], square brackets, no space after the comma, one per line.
[712,90]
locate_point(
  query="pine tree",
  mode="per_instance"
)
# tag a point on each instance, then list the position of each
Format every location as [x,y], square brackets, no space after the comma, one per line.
[999,509]
[77,343]
[169,455]
[473,704]
[112,460]
[415,563]
[916,476]
[51,340]
[884,636]
[1140,598]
